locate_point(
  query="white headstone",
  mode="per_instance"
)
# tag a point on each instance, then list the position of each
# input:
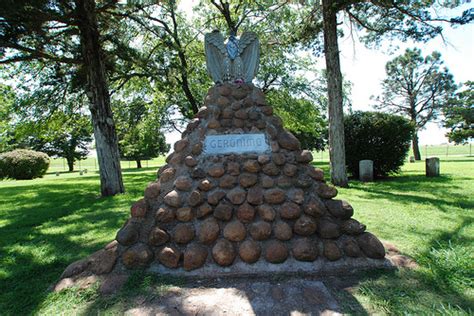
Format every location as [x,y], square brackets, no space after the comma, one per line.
[366,170]
[432,167]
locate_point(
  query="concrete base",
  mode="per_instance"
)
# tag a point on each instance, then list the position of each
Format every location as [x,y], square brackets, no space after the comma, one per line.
[319,267]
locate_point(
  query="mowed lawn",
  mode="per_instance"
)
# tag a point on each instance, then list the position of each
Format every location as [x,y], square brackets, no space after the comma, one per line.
[45,224]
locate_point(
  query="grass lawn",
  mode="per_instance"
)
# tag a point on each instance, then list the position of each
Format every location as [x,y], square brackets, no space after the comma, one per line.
[45,224]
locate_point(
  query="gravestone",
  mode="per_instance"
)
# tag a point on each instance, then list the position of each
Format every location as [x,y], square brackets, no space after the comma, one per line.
[432,167]
[412,159]
[366,170]
[238,195]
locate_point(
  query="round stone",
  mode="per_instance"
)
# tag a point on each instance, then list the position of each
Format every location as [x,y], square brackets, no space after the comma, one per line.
[304,250]
[255,195]
[198,173]
[315,207]
[190,161]
[263,159]
[173,199]
[246,180]
[184,214]
[282,231]
[203,210]
[128,235]
[236,196]
[260,230]
[216,170]
[285,182]
[235,231]
[213,123]
[276,252]
[138,209]
[267,182]
[233,168]
[296,195]
[251,166]
[290,170]
[227,182]
[223,252]
[167,174]
[371,246]
[137,256]
[331,250]
[328,229]
[245,213]
[197,149]
[305,226]
[183,233]
[326,192]
[290,210]
[183,183]
[249,251]
[278,159]
[169,256]
[274,196]
[270,169]
[351,248]
[165,215]
[194,257]
[316,173]
[352,227]
[152,191]
[266,212]
[288,141]
[158,237]
[223,211]
[215,196]
[340,209]
[205,185]
[195,198]
[305,156]
[208,231]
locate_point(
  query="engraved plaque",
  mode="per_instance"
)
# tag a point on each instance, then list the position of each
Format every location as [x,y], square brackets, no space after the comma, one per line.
[235,144]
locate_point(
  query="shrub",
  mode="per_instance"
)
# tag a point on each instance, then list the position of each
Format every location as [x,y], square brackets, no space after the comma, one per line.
[380,137]
[23,164]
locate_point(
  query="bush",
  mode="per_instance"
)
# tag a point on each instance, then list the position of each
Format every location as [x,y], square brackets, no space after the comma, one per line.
[23,164]
[380,137]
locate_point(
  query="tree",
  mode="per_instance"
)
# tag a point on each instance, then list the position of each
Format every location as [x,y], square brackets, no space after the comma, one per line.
[139,131]
[459,115]
[65,34]
[7,97]
[417,88]
[400,19]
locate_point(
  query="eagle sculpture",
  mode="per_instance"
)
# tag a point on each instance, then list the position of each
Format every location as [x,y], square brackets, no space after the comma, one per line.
[234,61]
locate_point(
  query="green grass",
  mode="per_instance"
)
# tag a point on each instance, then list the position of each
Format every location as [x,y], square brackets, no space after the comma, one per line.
[45,224]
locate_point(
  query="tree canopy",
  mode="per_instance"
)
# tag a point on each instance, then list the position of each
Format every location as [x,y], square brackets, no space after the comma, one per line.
[459,115]
[417,87]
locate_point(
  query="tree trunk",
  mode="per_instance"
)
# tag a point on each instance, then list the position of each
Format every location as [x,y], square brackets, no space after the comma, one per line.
[416,148]
[98,93]
[337,154]
[139,164]
[70,164]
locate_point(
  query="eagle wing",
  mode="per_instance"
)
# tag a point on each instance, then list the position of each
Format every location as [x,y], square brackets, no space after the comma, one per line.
[249,50]
[215,54]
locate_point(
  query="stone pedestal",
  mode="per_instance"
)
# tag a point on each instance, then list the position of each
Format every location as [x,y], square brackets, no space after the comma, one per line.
[432,167]
[366,170]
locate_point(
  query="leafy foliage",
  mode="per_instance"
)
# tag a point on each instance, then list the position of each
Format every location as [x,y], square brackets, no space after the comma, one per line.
[459,114]
[23,164]
[139,131]
[416,87]
[380,137]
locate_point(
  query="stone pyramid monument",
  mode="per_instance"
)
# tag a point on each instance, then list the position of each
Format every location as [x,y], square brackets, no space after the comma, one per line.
[238,196]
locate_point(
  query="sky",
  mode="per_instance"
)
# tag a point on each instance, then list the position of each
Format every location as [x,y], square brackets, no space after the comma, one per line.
[365,68]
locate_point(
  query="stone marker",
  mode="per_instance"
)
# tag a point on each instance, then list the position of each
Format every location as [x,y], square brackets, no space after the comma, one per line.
[238,193]
[412,159]
[366,170]
[432,167]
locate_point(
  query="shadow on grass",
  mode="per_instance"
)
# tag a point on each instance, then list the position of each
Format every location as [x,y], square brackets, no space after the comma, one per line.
[49,224]
[440,285]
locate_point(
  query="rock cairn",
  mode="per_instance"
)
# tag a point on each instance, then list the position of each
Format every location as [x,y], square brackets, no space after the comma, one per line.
[221,209]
